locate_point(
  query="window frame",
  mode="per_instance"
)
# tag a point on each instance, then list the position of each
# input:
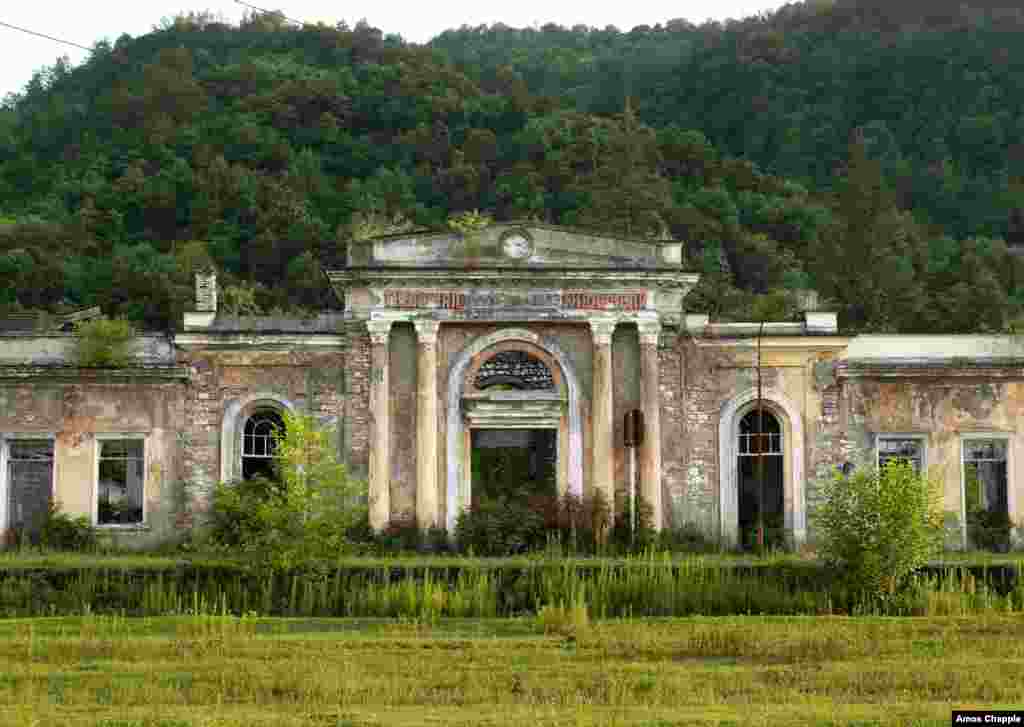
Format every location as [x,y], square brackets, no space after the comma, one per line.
[965,437]
[5,485]
[107,436]
[917,436]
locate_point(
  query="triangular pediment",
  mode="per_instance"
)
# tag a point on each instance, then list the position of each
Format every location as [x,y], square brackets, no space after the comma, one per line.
[519,245]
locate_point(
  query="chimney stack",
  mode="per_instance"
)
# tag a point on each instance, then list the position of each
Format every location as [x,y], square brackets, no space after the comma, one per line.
[206,301]
[206,291]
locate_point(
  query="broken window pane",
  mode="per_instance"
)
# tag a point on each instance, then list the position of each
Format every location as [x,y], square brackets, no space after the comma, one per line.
[985,493]
[910,449]
[121,480]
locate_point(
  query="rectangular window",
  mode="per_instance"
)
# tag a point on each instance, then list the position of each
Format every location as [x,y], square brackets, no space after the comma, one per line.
[121,479]
[30,483]
[985,493]
[908,448]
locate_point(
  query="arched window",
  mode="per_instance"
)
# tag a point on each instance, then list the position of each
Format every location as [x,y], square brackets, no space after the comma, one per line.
[761,480]
[514,370]
[258,445]
[770,439]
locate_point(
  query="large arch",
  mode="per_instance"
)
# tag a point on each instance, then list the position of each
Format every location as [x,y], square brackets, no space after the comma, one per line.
[457,486]
[793,462]
[233,422]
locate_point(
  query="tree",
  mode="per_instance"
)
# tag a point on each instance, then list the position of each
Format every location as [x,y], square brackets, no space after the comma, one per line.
[879,525]
[866,259]
[306,514]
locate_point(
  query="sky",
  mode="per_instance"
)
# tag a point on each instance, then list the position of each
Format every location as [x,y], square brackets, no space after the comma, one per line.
[418,22]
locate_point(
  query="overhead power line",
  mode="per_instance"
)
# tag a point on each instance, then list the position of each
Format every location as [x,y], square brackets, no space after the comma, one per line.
[44,35]
[271,12]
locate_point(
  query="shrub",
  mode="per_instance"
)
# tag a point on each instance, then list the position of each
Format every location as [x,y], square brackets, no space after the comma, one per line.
[515,523]
[103,342]
[311,512]
[880,525]
[687,538]
[499,526]
[61,531]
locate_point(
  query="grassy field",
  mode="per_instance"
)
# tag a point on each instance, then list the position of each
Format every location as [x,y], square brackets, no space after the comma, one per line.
[557,668]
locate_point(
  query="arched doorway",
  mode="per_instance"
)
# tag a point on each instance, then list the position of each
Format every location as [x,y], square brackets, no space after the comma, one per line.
[512,381]
[790,460]
[518,460]
[760,480]
[259,445]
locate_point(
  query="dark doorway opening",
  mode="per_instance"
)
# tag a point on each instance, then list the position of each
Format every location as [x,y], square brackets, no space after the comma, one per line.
[516,464]
[760,460]
[30,486]
[258,444]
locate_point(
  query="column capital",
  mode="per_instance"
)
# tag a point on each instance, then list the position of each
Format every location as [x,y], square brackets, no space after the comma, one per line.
[649,331]
[602,329]
[426,330]
[379,330]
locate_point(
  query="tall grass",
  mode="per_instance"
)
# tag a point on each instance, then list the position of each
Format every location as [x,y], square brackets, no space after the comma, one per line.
[648,585]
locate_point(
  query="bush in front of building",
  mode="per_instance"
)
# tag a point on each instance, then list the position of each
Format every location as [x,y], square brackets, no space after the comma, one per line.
[516,524]
[61,531]
[879,526]
[103,342]
[308,512]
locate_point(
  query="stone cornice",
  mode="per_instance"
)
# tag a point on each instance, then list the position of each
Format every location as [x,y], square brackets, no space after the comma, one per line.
[511,278]
[212,339]
[86,375]
[948,369]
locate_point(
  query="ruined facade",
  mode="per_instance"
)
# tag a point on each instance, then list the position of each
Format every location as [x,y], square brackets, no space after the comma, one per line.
[445,342]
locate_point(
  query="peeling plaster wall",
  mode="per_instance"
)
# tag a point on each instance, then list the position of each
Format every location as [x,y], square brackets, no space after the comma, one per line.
[942,409]
[698,379]
[75,412]
[311,378]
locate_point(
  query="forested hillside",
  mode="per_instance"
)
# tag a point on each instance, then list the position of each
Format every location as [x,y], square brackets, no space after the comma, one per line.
[266,148]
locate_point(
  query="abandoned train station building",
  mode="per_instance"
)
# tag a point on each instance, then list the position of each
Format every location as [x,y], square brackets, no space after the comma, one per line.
[529,339]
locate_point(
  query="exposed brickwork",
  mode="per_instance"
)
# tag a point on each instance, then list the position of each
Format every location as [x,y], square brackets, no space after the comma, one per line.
[673,456]
[310,379]
[356,396]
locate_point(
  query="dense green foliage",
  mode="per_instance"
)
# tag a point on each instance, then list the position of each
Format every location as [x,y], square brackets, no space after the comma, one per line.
[879,525]
[780,148]
[306,513]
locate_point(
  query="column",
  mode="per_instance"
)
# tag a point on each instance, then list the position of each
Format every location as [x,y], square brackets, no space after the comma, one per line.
[426,423]
[650,403]
[380,433]
[602,470]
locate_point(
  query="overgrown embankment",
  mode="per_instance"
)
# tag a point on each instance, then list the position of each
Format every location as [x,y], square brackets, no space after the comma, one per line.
[439,587]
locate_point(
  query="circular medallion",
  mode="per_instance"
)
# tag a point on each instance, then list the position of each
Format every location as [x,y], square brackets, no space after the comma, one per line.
[516,245]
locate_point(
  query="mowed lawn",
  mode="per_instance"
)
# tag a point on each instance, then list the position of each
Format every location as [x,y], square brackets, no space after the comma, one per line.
[205,671]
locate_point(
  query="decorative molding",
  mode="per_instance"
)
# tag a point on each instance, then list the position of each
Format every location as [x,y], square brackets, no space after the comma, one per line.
[602,329]
[650,331]
[513,410]
[379,330]
[426,331]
